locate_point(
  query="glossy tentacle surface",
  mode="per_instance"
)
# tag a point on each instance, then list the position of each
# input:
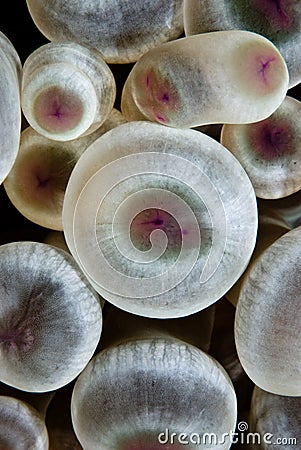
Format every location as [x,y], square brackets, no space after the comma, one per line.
[267,322]
[276,416]
[67,90]
[10,107]
[185,84]
[121,31]
[279,21]
[37,181]
[270,150]
[38,401]
[50,319]
[131,393]
[163,224]
[21,426]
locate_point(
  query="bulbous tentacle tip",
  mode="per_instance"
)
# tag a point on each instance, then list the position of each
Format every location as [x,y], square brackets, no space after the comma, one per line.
[275,415]
[277,20]
[68,90]
[161,211]
[37,182]
[57,106]
[121,32]
[264,69]
[168,386]
[10,107]
[40,313]
[21,426]
[249,73]
[267,328]
[270,150]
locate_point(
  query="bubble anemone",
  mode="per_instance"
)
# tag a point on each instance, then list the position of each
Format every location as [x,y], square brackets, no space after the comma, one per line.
[267,322]
[277,20]
[162,224]
[50,320]
[184,84]
[67,90]
[270,150]
[10,108]
[37,181]
[120,31]
[275,416]
[130,393]
[21,426]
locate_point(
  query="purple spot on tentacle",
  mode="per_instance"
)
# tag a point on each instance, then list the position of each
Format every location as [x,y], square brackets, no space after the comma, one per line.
[271,139]
[162,119]
[164,98]
[57,114]
[42,183]
[20,338]
[56,109]
[276,141]
[279,9]
[154,222]
[264,66]
[157,221]
[153,219]
[275,13]
[157,97]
